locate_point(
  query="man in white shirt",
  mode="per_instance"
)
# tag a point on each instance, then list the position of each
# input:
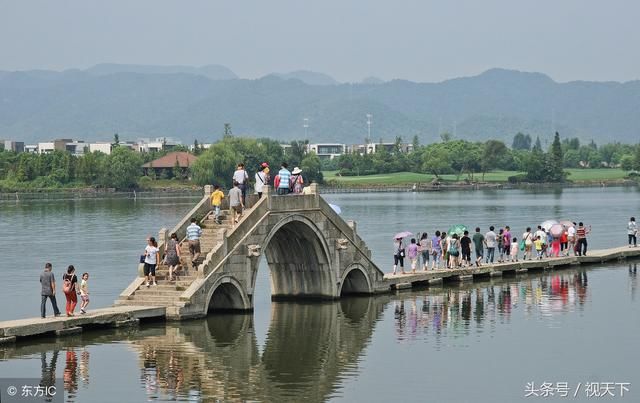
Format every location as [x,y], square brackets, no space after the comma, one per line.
[571,239]
[241,177]
[490,240]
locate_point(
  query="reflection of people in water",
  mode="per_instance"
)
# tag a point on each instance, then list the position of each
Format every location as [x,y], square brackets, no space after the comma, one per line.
[149,374]
[70,376]
[48,377]
[580,281]
[175,375]
[84,367]
[633,274]
[400,319]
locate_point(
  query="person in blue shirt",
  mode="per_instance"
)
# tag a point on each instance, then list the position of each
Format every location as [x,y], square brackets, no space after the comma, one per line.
[285,178]
[194,232]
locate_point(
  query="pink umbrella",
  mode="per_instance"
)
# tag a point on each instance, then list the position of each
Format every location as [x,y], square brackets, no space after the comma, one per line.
[556,230]
[547,224]
[567,223]
[402,234]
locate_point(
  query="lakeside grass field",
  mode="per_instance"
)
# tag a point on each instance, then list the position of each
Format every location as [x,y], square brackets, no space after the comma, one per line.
[576,175]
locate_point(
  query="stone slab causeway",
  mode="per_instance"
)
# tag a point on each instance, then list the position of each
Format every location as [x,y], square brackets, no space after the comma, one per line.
[69,331]
[104,316]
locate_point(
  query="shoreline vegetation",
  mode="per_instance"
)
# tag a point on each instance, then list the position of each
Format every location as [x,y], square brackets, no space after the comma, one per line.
[334,183]
[449,164]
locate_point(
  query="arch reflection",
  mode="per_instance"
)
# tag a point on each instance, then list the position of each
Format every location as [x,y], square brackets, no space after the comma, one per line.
[309,348]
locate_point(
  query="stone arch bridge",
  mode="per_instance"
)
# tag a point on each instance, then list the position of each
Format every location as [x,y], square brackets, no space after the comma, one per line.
[310,250]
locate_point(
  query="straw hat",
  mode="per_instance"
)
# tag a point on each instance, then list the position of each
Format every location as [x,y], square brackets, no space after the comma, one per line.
[296,171]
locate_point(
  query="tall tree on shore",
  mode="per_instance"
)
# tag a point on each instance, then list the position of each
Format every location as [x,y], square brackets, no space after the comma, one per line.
[196,148]
[415,142]
[491,153]
[555,161]
[538,145]
[521,142]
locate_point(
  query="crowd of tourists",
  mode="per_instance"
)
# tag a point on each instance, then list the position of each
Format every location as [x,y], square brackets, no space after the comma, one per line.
[284,182]
[453,249]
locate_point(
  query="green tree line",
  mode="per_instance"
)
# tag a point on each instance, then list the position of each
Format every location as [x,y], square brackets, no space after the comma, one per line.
[122,168]
[474,159]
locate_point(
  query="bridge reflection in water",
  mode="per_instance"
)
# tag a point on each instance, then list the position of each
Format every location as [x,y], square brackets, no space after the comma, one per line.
[310,350]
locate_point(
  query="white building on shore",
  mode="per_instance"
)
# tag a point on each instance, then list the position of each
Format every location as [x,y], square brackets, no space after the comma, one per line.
[327,150]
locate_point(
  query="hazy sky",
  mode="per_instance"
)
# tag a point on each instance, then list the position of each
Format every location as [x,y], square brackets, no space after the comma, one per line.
[420,40]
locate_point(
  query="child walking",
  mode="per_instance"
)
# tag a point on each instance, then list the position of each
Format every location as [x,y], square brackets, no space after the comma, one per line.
[216,201]
[539,244]
[514,249]
[84,293]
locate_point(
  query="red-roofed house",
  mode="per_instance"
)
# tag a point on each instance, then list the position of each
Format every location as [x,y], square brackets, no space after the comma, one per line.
[164,166]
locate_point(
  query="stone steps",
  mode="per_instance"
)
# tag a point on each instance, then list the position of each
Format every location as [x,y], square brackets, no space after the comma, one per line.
[157,299]
[154,291]
[166,293]
[136,302]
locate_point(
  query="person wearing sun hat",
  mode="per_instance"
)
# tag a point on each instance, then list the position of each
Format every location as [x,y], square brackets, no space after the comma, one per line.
[296,180]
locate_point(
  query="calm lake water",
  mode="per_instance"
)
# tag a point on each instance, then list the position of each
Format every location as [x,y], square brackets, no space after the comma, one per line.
[479,342]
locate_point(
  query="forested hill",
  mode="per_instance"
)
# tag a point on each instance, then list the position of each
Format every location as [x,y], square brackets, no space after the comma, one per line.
[185,104]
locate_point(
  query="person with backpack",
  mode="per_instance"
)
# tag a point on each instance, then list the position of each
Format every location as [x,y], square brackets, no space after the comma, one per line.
[69,289]
[527,238]
[242,178]
[262,178]
[454,251]
[297,182]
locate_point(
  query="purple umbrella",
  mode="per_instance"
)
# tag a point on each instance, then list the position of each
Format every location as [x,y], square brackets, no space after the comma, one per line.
[402,234]
[556,230]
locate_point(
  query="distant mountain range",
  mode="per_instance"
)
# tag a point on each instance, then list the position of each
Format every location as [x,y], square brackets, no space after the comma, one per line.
[190,103]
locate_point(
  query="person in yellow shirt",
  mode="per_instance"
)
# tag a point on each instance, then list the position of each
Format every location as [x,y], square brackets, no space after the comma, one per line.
[539,245]
[216,201]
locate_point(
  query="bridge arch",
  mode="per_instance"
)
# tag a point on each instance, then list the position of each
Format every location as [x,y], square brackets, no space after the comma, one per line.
[355,280]
[227,294]
[299,259]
